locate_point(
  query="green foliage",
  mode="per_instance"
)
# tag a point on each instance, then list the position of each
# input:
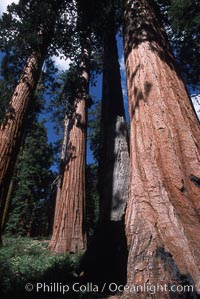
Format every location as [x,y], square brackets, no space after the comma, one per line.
[27,23]
[182,20]
[5,94]
[185,19]
[31,204]
[23,260]
[185,15]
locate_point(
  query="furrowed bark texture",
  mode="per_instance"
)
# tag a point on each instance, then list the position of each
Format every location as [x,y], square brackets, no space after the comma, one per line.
[69,233]
[162,218]
[11,130]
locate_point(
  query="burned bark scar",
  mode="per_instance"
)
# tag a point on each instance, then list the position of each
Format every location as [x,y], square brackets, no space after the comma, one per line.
[183,189]
[195,180]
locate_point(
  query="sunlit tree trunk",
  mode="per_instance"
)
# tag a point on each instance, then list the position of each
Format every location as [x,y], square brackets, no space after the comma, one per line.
[69,232]
[11,129]
[163,213]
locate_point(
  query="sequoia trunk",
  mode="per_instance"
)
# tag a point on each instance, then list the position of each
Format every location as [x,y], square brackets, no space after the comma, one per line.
[11,129]
[69,233]
[163,213]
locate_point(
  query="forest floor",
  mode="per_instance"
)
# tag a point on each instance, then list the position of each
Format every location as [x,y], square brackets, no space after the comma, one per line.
[28,270]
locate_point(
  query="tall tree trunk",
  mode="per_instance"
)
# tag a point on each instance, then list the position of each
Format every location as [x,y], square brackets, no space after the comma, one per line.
[106,258]
[11,130]
[114,162]
[162,218]
[68,232]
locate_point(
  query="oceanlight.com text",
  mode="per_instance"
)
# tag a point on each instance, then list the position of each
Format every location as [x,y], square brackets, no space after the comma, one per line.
[57,287]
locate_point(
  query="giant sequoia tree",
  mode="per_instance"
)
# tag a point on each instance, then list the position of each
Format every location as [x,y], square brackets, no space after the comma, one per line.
[68,233]
[42,21]
[162,218]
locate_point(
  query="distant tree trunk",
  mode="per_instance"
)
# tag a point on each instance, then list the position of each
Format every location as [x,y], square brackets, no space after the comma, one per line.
[163,213]
[69,233]
[30,228]
[11,130]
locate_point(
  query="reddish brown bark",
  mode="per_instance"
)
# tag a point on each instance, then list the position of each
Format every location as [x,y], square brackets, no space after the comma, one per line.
[68,232]
[162,219]
[11,129]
